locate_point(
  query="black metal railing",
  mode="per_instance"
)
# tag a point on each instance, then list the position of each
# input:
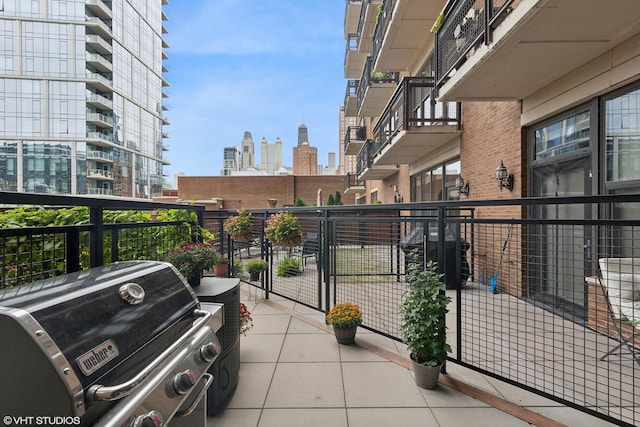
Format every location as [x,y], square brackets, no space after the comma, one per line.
[352,181]
[465,26]
[354,134]
[369,78]
[37,252]
[351,91]
[365,157]
[414,105]
[530,307]
[384,19]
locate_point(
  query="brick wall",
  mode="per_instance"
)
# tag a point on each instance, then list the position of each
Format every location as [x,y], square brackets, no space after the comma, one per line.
[255,191]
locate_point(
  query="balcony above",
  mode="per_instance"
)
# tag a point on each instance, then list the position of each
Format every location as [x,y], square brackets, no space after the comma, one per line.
[99,26]
[351,16]
[99,102]
[100,156]
[99,44]
[99,8]
[352,184]
[99,82]
[100,174]
[99,120]
[523,46]
[367,24]
[402,32]
[99,62]
[374,90]
[354,139]
[366,170]
[353,60]
[414,123]
[351,99]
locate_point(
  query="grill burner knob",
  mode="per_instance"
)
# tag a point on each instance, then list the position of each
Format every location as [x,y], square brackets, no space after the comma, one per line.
[152,419]
[183,381]
[208,352]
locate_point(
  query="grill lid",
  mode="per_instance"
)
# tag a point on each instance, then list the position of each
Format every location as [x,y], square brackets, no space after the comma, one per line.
[95,325]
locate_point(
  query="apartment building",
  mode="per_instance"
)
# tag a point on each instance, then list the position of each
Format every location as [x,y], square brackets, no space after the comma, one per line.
[492,99]
[82,97]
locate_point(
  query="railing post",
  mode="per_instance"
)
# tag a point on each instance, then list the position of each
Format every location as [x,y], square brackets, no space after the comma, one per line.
[73,250]
[96,237]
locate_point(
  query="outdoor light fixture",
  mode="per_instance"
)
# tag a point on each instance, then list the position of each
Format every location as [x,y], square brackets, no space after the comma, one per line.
[504,178]
[461,186]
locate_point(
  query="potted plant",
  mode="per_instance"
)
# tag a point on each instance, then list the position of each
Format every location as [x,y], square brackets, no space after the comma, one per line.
[283,229]
[345,319]
[254,267]
[220,265]
[239,226]
[191,259]
[289,266]
[423,328]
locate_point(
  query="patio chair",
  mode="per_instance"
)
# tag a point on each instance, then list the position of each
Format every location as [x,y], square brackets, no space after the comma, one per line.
[620,284]
[309,248]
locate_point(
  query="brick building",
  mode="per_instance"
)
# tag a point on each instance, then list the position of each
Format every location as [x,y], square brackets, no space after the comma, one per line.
[305,159]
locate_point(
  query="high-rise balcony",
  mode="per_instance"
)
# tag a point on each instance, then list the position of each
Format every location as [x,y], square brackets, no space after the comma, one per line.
[351,99]
[99,44]
[353,60]
[414,123]
[99,26]
[402,32]
[374,90]
[100,120]
[354,138]
[366,25]
[99,8]
[351,16]
[99,81]
[510,49]
[101,156]
[100,139]
[100,174]
[352,184]
[366,169]
[99,62]
[99,101]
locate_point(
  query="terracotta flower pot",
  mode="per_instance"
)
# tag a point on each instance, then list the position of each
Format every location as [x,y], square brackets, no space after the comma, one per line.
[220,270]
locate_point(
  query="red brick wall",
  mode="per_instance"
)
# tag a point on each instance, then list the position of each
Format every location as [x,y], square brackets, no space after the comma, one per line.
[255,191]
[491,133]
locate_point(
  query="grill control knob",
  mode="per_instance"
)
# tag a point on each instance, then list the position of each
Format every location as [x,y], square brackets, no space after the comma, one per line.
[152,419]
[208,352]
[132,293]
[183,381]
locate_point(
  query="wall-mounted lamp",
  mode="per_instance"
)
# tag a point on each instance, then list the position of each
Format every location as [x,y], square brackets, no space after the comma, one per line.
[504,178]
[461,186]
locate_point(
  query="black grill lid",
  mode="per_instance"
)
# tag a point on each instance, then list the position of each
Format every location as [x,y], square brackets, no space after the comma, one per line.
[96,328]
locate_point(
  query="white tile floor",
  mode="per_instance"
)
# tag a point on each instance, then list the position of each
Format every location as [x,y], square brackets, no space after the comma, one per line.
[294,373]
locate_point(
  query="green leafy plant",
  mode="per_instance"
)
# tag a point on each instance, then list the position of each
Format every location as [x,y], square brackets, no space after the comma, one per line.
[345,315]
[423,309]
[281,226]
[238,224]
[256,265]
[289,266]
[191,258]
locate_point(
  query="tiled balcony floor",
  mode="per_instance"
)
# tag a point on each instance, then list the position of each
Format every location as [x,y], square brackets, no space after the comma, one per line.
[294,373]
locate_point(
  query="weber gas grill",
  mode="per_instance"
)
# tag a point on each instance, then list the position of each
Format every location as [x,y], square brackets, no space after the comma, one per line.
[125,344]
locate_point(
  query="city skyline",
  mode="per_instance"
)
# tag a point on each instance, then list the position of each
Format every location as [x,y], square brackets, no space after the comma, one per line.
[235,66]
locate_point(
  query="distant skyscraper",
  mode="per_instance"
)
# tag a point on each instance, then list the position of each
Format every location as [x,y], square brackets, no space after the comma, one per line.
[246,151]
[305,160]
[271,156]
[230,161]
[303,134]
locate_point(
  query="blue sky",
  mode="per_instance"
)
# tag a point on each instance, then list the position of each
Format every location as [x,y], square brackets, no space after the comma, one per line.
[263,66]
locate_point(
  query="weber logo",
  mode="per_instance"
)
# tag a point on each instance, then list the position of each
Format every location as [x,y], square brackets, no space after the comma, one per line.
[97,357]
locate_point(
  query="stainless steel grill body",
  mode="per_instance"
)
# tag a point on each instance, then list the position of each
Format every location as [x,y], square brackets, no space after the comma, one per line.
[123,337]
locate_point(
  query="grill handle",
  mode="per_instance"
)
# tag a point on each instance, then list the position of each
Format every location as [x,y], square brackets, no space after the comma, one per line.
[100,392]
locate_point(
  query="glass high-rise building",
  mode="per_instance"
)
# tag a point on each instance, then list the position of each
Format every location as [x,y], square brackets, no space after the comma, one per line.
[81,97]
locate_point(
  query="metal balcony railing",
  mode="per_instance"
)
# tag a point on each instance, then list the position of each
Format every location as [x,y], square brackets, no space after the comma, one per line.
[413,106]
[465,26]
[369,78]
[384,18]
